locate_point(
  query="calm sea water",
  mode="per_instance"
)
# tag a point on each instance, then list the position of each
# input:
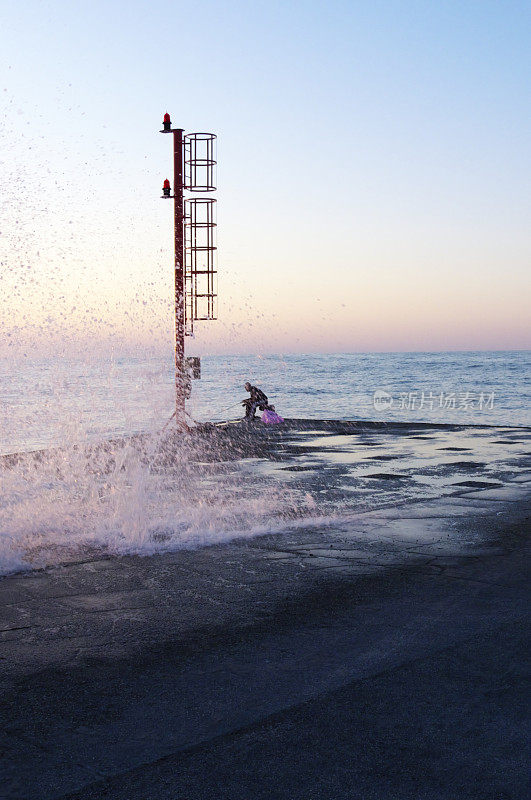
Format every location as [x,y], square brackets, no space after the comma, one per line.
[44,403]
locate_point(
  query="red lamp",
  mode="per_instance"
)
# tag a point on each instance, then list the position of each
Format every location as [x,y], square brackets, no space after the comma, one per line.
[166,123]
[166,188]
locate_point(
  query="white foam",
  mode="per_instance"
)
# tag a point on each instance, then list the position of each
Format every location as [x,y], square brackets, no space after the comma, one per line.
[76,501]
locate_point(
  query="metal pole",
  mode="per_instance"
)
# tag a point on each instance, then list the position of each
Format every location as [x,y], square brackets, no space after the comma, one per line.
[178,191]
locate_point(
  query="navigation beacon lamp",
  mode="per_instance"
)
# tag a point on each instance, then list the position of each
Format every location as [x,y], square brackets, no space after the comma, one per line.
[195,248]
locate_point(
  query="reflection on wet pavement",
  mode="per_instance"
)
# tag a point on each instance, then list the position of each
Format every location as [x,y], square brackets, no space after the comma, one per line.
[418,465]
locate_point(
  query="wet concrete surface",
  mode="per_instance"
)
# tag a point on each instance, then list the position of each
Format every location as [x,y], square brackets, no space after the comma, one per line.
[375,650]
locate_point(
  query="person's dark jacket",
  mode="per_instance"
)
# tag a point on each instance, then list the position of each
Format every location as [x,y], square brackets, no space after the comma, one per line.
[257,396]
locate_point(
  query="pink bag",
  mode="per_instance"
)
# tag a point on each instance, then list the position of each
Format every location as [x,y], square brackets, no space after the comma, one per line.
[271,417]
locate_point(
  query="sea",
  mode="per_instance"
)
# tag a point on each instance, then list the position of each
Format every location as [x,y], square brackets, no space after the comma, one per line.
[65,505]
[45,402]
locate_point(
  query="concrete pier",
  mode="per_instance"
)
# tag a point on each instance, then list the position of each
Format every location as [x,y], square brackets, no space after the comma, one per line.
[378,653]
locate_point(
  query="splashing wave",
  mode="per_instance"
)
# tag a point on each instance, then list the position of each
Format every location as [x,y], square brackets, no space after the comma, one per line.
[133,496]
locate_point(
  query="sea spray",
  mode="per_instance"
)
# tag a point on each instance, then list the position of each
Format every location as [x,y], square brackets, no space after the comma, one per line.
[136,495]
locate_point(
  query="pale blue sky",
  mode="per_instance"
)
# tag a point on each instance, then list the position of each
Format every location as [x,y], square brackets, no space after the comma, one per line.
[373,180]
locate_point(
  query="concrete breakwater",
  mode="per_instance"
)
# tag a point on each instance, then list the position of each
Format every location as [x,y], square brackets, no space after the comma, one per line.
[373,648]
[150,494]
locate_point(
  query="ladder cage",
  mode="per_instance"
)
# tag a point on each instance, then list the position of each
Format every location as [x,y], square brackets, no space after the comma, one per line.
[200,262]
[200,162]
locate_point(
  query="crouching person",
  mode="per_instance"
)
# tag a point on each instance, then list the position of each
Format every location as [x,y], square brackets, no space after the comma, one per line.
[257,399]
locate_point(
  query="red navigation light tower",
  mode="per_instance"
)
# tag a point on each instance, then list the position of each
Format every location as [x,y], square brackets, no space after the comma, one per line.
[195,248]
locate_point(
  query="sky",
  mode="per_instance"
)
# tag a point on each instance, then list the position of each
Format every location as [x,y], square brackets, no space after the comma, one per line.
[373,173]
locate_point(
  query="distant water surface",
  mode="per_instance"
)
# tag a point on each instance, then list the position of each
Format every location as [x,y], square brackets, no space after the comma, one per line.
[46,402]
